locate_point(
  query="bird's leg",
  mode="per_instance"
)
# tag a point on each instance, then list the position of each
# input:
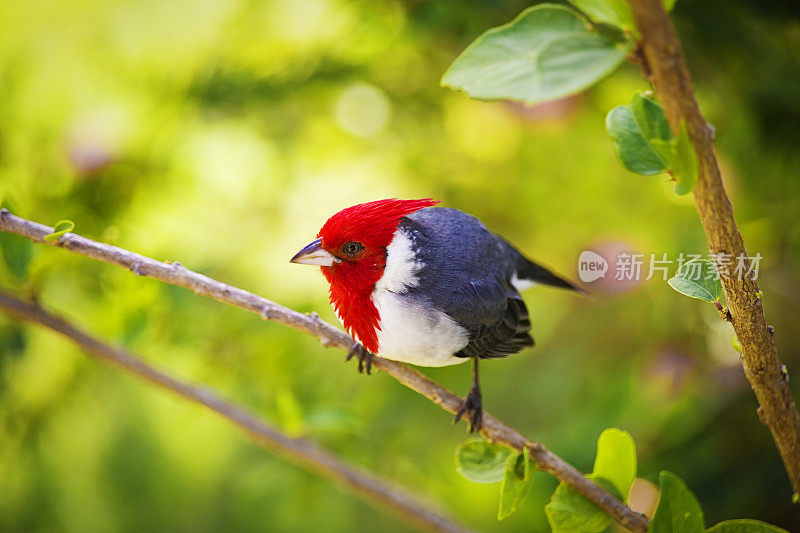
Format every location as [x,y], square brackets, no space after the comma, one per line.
[472,402]
[363,355]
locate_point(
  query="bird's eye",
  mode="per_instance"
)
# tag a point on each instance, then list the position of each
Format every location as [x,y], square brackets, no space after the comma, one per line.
[352,248]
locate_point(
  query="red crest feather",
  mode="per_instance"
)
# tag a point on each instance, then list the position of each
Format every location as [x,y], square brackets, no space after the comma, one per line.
[352,281]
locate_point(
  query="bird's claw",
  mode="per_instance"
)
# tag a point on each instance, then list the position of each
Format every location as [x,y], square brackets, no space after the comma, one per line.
[363,355]
[473,404]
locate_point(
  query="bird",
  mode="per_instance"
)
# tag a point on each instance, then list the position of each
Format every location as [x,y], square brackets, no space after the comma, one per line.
[425,285]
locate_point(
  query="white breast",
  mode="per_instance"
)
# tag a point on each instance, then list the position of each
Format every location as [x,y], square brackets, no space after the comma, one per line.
[411,331]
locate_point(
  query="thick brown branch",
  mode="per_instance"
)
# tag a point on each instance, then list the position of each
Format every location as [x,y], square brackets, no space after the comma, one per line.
[328,335]
[673,87]
[297,449]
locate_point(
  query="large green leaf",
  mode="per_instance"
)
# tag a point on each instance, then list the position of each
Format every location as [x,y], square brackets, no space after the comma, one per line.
[616,459]
[745,526]
[569,512]
[678,510]
[481,461]
[690,279]
[547,52]
[630,143]
[517,480]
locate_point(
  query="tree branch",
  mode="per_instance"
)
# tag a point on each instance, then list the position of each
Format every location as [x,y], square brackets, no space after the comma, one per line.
[673,87]
[298,450]
[328,335]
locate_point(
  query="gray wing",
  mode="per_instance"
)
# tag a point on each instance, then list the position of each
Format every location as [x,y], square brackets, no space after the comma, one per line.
[466,273]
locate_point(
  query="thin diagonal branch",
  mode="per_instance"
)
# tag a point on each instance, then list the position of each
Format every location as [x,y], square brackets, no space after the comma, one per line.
[673,87]
[299,450]
[328,335]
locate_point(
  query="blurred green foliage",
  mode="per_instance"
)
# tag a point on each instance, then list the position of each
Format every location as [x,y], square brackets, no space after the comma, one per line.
[223,133]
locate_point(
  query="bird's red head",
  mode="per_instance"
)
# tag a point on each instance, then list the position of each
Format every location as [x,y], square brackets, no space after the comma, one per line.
[351,250]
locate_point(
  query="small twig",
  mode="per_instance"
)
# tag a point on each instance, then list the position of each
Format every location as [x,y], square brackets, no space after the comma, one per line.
[637,56]
[328,335]
[299,450]
[673,87]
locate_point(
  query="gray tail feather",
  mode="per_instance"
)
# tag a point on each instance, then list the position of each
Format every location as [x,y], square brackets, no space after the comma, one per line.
[529,270]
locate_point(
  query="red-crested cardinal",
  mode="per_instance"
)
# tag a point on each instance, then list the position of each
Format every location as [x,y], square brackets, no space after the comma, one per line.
[430,286]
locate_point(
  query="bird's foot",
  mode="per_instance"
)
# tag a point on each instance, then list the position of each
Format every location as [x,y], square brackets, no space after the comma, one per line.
[473,404]
[363,355]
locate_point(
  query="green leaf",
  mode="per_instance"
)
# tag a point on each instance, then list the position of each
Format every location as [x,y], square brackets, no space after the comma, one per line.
[517,480]
[644,142]
[61,227]
[633,149]
[547,52]
[650,118]
[613,12]
[678,510]
[684,162]
[570,512]
[745,526]
[664,149]
[17,253]
[481,461]
[616,459]
[614,470]
[690,280]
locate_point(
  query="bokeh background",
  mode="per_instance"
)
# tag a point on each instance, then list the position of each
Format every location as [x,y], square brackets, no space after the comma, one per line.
[222,133]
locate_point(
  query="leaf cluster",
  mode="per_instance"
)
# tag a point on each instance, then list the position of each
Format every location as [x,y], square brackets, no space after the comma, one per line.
[615,465]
